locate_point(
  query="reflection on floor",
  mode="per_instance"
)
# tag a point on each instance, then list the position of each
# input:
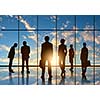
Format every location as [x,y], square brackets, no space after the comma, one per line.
[34,78]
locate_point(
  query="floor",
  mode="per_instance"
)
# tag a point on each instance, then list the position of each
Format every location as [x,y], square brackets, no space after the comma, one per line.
[34,78]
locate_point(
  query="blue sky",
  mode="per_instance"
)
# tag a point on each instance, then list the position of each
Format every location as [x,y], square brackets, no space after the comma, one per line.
[29,24]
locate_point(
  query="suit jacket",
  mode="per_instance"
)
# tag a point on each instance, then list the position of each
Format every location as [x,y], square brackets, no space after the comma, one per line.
[84,54]
[47,51]
[25,50]
[71,53]
[62,50]
[11,52]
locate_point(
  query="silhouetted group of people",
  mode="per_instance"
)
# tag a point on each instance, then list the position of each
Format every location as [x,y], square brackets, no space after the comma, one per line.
[25,51]
[47,54]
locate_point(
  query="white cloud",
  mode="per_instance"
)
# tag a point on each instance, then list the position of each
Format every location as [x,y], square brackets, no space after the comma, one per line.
[11,16]
[78,39]
[54,33]
[1,35]
[24,37]
[67,33]
[5,60]
[90,47]
[53,18]
[89,27]
[3,27]
[87,36]
[28,27]
[97,39]
[4,47]
[33,37]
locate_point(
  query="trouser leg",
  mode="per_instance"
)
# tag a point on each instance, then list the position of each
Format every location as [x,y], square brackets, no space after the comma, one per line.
[27,67]
[22,65]
[43,68]
[10,63]
[49,69]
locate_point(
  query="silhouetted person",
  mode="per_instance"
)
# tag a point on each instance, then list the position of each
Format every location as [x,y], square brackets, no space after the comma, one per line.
[25,51]
[46,55]
[71,56]
[62,51]
[11,56]
[84,59]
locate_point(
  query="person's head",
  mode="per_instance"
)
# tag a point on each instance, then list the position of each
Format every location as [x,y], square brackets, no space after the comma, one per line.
[46,38]
[84,44]
[62,41]
[24,42]
[15,44]
[71,46]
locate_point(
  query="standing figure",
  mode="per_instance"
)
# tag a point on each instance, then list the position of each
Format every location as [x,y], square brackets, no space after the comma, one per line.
[46,55]
[25,51]
[62,52]
[11,56]
[71,56]
[84,59]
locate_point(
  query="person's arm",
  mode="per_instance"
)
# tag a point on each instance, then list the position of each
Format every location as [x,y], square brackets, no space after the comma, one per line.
[52,50]
[29,49]
[41,51]
[21,50]
[73,53]
[65,50]
[81,54]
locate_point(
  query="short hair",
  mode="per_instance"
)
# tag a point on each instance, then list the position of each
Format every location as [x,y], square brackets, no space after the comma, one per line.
[15,44]
[71,45]
[24,42]
[62,40]
[84,44]
[46,38]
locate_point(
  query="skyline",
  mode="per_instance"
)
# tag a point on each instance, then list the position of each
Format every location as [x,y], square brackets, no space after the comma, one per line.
[29,24]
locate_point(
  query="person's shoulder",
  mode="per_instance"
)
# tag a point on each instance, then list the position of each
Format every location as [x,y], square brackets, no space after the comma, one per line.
[22,47]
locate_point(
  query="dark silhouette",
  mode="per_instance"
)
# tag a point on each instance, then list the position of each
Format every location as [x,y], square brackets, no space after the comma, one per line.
[71,56]
[46,55]
[62,51]
[11,56]
[25,51]
[84,59]
[49,81]
[62,81]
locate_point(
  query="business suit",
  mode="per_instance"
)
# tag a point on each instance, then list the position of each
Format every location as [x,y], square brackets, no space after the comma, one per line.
[46,55]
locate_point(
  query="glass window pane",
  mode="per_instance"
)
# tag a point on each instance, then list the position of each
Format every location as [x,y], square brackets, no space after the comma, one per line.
[28,22]
[97,57]
[31,39]
[84,22]
[97,22]
[69,37]
[7,40]
[88,37]
[65,22]
[8,22]
[52,36]
[46,22]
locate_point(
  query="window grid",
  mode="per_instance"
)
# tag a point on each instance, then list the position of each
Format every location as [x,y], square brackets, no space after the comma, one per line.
[37,30]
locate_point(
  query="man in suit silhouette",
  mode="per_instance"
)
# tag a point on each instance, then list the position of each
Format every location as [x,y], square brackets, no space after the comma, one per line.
[46,55]
[62,52]
[71,56]
[25,51]
[11,56]
[84,59]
